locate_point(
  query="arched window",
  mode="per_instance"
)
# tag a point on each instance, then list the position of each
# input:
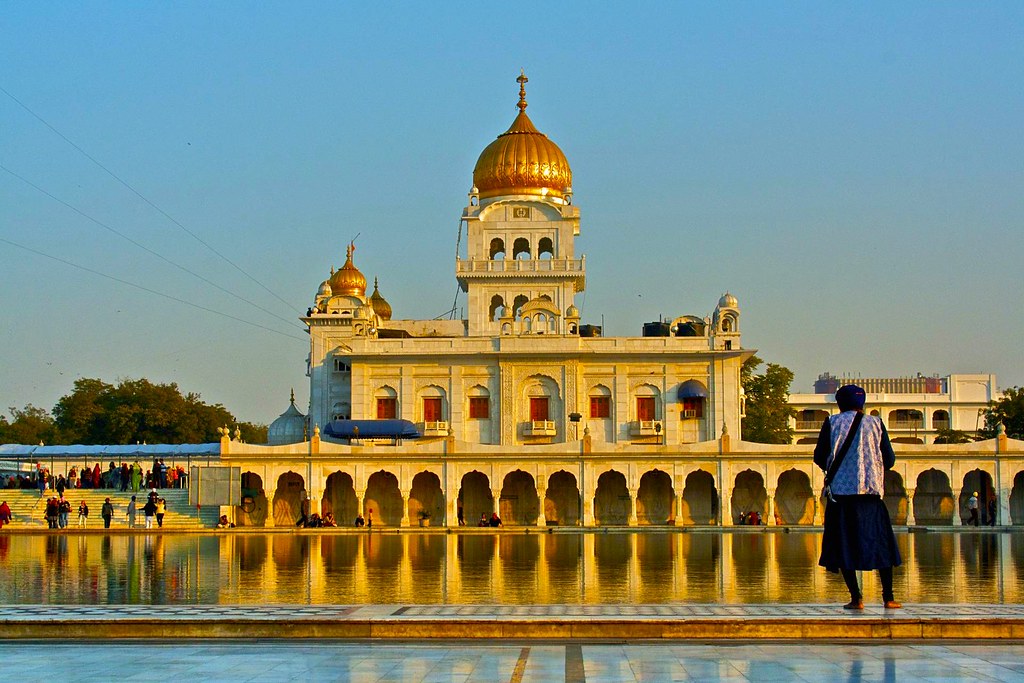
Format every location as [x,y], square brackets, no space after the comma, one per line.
[519,302]
[341,411]
[600,402]
[940,419]
[497,251]
[497,307]
[432,401]
[387,403]
[647,404]
[545,248]
[527,324]
[521,248]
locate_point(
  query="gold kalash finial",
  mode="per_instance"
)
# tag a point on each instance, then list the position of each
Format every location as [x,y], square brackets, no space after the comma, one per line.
[522,80]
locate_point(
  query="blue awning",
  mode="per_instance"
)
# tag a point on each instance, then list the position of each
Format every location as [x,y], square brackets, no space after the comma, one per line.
[692,388]
[371,429]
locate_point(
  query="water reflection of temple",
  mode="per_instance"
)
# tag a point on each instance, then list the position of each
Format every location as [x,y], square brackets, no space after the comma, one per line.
[646,568]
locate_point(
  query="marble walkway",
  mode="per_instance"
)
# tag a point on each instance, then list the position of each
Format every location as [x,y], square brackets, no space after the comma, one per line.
[740,623]
[503,661]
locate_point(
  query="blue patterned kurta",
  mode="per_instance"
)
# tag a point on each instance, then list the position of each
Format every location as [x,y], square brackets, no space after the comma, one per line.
[863,469]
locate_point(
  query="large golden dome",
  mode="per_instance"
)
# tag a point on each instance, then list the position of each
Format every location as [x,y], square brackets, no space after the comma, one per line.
[348,281]
[522,160]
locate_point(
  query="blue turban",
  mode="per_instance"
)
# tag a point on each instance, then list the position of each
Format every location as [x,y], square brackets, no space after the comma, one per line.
[850,397]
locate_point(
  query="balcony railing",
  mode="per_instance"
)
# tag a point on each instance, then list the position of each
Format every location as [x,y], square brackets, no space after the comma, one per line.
[809,424]
[435,428]
[540,428]
[524,266]
[906,424]
[645,427]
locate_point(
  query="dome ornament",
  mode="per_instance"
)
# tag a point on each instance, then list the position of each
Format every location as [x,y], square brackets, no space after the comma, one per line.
[522,80]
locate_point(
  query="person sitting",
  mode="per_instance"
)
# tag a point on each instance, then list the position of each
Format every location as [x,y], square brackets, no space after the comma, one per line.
[483,520]
[223,523]
[359,520]
[495,520]
[329,519]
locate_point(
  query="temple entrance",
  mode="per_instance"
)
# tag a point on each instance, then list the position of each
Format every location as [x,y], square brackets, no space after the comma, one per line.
[655,499]
[254,507]
[477,499]
[895,497]
[340,499]
[383,499]
[933,498]
[611,500]
[519,503]
[794,499]
[289,499]
[562,500]
[749,495]
[700,499]
[426,500]
[980,481]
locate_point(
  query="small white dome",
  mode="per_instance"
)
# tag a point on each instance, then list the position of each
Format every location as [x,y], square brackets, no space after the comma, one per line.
[290,427]
[325,288]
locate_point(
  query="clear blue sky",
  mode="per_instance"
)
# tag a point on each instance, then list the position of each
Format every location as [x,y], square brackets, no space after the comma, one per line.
[853,173]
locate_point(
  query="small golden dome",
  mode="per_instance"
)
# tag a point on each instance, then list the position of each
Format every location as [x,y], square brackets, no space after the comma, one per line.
[380,305]
[522,160]
[348,281]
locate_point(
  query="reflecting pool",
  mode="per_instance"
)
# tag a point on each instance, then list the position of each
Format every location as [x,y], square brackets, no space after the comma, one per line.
[507,567]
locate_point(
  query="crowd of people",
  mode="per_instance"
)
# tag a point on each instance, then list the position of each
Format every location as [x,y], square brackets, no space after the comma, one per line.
[57,512]
[118,477]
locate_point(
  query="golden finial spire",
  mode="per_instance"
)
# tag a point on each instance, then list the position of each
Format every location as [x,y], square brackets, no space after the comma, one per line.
[522,80]
[293,396]
[351,248]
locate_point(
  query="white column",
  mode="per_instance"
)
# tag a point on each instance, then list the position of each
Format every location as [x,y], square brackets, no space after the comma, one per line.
[406,493]
[911,521]
[769,513]
[632,505]
[541,517]
[957,519]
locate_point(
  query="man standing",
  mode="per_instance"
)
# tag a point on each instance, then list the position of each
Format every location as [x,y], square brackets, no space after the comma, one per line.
[972,506]
[107,512]
[131,513]
[149,510]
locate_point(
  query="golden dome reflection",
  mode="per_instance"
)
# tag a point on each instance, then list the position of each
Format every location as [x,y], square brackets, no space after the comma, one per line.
[522,160]
[348,281]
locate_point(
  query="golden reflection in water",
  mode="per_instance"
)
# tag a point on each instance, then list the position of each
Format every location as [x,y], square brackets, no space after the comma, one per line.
[506,567]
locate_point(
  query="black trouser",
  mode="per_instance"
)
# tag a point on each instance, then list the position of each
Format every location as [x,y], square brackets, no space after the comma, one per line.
[884,575]
[974,517]
[106,521]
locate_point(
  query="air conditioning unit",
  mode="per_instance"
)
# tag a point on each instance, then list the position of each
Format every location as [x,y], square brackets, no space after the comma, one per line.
[689,414]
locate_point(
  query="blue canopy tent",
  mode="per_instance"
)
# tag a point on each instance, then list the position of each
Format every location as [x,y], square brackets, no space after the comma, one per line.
[691,388]
[371,429]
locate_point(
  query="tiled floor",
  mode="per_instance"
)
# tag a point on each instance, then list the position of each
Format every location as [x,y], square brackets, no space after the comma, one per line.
[512,662]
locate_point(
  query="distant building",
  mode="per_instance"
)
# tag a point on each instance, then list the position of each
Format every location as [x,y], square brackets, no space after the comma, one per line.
[914,409]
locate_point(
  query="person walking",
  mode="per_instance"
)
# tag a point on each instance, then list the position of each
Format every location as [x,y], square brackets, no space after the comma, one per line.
[972,507]
[83,515]
[5,514]
[149,510]
[161,510]
[64,508]
[107,513]
[131,513]
[854,451]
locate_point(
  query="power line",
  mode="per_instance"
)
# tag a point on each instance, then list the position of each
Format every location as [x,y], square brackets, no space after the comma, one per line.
[147,289]
[144,247]
[145,199]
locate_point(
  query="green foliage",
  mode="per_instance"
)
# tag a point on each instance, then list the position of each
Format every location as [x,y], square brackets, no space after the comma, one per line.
[767,402]
[96,412]
[30,425]
[1007,410]
[952,436]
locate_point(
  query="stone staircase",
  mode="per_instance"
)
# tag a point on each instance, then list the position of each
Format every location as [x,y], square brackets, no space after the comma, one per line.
[27,508]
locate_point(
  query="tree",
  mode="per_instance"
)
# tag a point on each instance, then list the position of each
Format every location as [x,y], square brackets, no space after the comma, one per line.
[952,436]
[767,409]
[1007,410]
[29,425]
[96,412]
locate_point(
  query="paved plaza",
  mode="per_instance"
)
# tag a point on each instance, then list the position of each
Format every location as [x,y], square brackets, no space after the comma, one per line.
[277,660]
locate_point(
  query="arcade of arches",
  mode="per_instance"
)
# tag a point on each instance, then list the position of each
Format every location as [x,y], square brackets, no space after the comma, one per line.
[587,493]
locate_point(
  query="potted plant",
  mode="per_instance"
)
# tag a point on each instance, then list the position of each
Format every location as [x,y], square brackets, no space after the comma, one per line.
[424,518]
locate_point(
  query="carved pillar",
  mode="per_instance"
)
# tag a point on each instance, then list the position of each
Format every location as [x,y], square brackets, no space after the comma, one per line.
[819,511]
[406,493]
[632,505]
[678,505]
[496,496]
[769,513]
[957,519]
[587,498]
[542,520]
[910,508]
[361,502]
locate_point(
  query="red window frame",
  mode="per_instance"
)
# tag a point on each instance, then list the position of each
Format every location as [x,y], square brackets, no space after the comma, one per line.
[479,408]
[694,404]
[600,406]
[432,409]
[646,409]
[387,408]
[538,408]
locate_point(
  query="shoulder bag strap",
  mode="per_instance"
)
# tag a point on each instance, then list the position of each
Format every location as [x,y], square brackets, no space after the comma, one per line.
[841,454]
